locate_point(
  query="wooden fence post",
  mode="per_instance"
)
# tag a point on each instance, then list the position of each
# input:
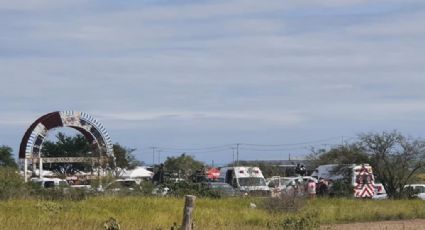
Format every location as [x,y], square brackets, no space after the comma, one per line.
[189,205]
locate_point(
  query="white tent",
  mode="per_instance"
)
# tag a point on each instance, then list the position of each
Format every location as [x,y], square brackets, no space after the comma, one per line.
[138,172]
[45,173]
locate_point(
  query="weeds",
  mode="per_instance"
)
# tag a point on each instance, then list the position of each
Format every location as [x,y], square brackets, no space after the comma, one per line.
[304,221]
[150,213]
[284,203]
[111,224]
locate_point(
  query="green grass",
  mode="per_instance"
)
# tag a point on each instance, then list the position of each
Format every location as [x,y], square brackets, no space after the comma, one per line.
[154,213]
[349,210]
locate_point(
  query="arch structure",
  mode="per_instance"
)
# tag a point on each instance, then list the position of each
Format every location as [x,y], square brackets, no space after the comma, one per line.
[92,130]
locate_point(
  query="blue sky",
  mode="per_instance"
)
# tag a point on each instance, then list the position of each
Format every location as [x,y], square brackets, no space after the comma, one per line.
[195,74]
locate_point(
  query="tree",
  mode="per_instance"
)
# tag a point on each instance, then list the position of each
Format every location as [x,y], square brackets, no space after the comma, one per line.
[341,155]
[395,158]
[65,146]
[6,158]
[184,164]
[78,146]
[124,159]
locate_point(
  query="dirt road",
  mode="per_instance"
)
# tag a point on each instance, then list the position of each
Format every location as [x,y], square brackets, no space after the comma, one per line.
[418,224]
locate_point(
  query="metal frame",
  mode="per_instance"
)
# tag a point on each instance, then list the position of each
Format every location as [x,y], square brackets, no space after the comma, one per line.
[35,135]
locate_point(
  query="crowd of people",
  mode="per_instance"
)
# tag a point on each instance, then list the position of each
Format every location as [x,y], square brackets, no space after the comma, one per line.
[321,188]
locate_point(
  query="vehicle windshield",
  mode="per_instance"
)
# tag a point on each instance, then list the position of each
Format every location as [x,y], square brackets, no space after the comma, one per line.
[252,181]
[364,179]
[49,184]
[420,189]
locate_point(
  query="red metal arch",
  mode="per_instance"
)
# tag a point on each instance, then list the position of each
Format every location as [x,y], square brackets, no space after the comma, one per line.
[50,121]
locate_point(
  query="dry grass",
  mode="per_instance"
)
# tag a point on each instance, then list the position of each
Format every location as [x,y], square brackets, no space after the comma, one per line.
[152,213]
[131,213]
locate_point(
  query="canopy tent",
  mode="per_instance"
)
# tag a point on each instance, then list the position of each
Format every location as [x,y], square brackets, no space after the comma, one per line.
[138,172]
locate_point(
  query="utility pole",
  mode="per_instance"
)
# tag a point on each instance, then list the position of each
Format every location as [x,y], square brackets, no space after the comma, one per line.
[153,155]
[233,155]
[237,154]
[159,156]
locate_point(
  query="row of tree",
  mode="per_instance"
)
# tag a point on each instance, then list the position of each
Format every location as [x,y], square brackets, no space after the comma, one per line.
[395,158]
[75,146]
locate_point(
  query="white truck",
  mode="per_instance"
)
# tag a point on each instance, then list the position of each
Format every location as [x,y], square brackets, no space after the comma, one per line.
[360,176]
[248,180]
[50,182]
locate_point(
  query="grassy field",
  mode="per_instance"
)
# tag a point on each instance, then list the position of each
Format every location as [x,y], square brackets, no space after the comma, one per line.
[161,213]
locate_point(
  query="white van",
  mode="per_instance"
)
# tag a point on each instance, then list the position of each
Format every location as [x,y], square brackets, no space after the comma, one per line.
[249,180]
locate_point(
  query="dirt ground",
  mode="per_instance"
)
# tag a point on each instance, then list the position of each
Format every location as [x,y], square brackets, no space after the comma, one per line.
[382,225]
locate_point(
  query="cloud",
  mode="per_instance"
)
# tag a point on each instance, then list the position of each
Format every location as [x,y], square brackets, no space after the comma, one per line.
[273,117]
[32,5]
[215,71]
[396,26]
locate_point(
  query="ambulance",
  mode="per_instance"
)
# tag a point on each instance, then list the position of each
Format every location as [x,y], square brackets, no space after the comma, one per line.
[248,180]
[360,176]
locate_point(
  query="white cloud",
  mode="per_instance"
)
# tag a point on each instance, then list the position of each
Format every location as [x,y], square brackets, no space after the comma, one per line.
[31,5]
[397,26]
[273,117]
[226,66]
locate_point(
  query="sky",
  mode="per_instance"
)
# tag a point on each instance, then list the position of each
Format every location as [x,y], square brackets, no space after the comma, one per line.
[277,77]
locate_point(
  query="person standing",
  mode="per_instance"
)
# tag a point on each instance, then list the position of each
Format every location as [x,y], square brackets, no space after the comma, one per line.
[311,189]
[322,188]
[302,170]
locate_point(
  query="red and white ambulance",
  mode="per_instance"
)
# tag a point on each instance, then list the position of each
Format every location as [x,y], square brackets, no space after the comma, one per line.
[360,176]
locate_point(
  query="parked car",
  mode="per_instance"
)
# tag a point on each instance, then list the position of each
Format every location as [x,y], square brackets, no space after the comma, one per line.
[417,190]
[380,192]
[222,188]
[82,186]
[280,185]
[121,185]
[50,182]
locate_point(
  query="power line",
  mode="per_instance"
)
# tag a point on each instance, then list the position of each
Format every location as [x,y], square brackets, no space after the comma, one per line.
[249,147]
[274,150]
[204,148]
[291,144]
[210,151]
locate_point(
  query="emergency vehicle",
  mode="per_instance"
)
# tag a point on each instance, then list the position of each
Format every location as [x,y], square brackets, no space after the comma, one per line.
[248,180]
[360,176]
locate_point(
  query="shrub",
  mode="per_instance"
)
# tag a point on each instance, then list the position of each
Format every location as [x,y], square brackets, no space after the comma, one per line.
[284,203]
[12,184]
[182,188]
[49,207]
[305,221]
[111,224]
[341,188]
